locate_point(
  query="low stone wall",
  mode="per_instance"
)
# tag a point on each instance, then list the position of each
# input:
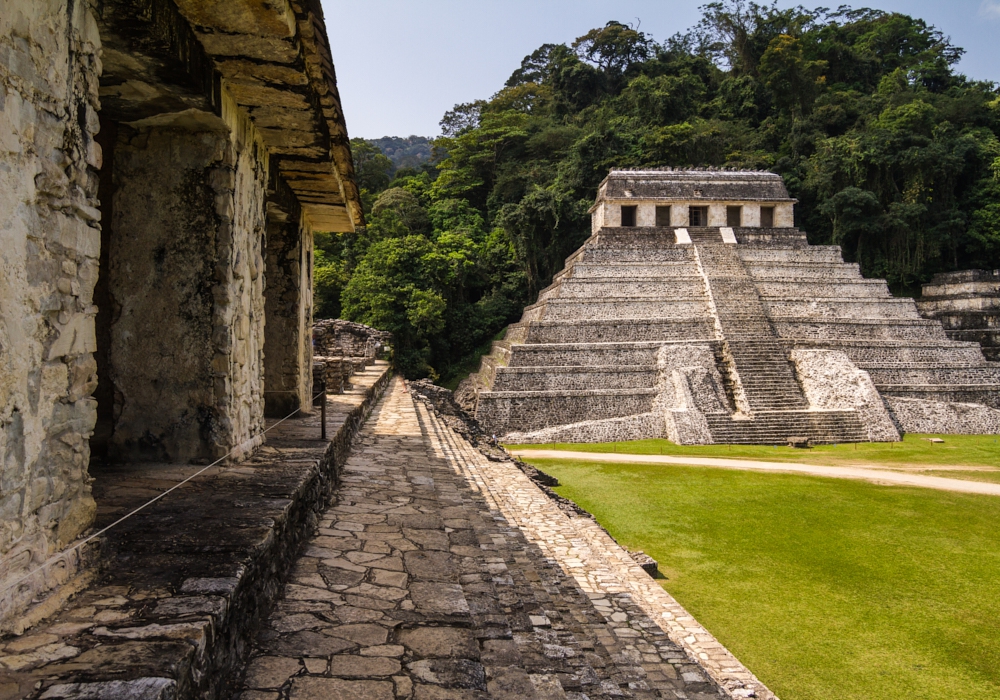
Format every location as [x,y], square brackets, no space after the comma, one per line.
[873,351]
[820,287]
[605,254]
[673,287]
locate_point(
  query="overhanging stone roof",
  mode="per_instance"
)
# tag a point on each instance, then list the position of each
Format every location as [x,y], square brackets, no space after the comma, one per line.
[693,185]
[272,57]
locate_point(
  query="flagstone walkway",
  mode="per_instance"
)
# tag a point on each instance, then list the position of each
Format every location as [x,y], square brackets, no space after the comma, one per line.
[438,574]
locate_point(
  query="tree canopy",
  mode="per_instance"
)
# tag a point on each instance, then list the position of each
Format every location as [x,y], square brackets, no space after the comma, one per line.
[892,154]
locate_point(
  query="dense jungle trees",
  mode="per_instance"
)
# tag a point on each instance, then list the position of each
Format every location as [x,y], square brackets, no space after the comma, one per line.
[892,154]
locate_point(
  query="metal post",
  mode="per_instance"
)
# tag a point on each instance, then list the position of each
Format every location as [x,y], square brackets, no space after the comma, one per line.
[322,411]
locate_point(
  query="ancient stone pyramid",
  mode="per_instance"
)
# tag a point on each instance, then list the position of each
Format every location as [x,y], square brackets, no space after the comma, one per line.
[697,312]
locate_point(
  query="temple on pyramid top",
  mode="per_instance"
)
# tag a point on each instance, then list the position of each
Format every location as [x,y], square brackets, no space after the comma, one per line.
[692,198]
[698,312]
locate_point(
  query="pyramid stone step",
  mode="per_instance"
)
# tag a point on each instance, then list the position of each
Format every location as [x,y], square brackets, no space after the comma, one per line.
[595,287]
[840,328]
[861,288]
[528,411]
[935,374]
[625,308]
[615,331]
[584,270]
[833,308]
[556,378]
[593,354]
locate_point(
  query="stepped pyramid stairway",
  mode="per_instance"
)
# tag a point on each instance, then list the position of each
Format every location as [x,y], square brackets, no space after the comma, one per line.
[586,353]
[760,359]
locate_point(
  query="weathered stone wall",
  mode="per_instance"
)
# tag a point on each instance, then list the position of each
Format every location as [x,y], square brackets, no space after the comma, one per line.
[49,246]
[186,280]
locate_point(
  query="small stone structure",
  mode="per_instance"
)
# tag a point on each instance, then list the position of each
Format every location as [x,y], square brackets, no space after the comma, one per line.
[967,303]
[697,312]
[343,347]
[163,167]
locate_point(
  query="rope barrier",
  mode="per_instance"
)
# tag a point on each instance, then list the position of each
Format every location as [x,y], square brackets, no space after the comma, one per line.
[61,555]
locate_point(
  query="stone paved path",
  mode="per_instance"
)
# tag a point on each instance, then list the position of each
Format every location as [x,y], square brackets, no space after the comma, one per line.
[878,476]
[439,575]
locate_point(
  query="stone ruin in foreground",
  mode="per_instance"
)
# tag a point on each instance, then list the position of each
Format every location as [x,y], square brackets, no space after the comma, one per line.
[697,312]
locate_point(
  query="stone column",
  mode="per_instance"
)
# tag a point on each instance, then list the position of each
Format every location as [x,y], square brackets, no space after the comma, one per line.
[717,214]
[186,278]
[680,215]
[784,215]
[646,214]
[288,308]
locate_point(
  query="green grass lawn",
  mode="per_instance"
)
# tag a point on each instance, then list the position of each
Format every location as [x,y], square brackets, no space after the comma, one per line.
[964,450]
[825,588]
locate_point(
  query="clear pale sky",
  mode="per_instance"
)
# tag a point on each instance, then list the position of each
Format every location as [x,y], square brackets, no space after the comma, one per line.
[402,63]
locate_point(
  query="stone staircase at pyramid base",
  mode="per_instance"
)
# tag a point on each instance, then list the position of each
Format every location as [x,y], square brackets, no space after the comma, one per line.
[752,337]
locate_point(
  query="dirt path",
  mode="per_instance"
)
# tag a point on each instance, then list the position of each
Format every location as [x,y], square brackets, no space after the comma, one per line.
[878,476]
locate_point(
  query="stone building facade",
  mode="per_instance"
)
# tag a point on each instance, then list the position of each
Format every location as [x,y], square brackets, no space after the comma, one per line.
[163,167]
[683,316]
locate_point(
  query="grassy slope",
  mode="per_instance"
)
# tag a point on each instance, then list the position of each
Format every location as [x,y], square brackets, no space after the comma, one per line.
[965,450]
[825,588]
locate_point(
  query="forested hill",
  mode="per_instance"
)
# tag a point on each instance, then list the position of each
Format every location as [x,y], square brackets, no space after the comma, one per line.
[892,154]
[408,152]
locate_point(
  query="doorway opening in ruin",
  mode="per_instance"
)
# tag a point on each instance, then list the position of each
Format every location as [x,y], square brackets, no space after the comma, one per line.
[628,215]
[698,216]
[663,216]
[767,217]
[734,217]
